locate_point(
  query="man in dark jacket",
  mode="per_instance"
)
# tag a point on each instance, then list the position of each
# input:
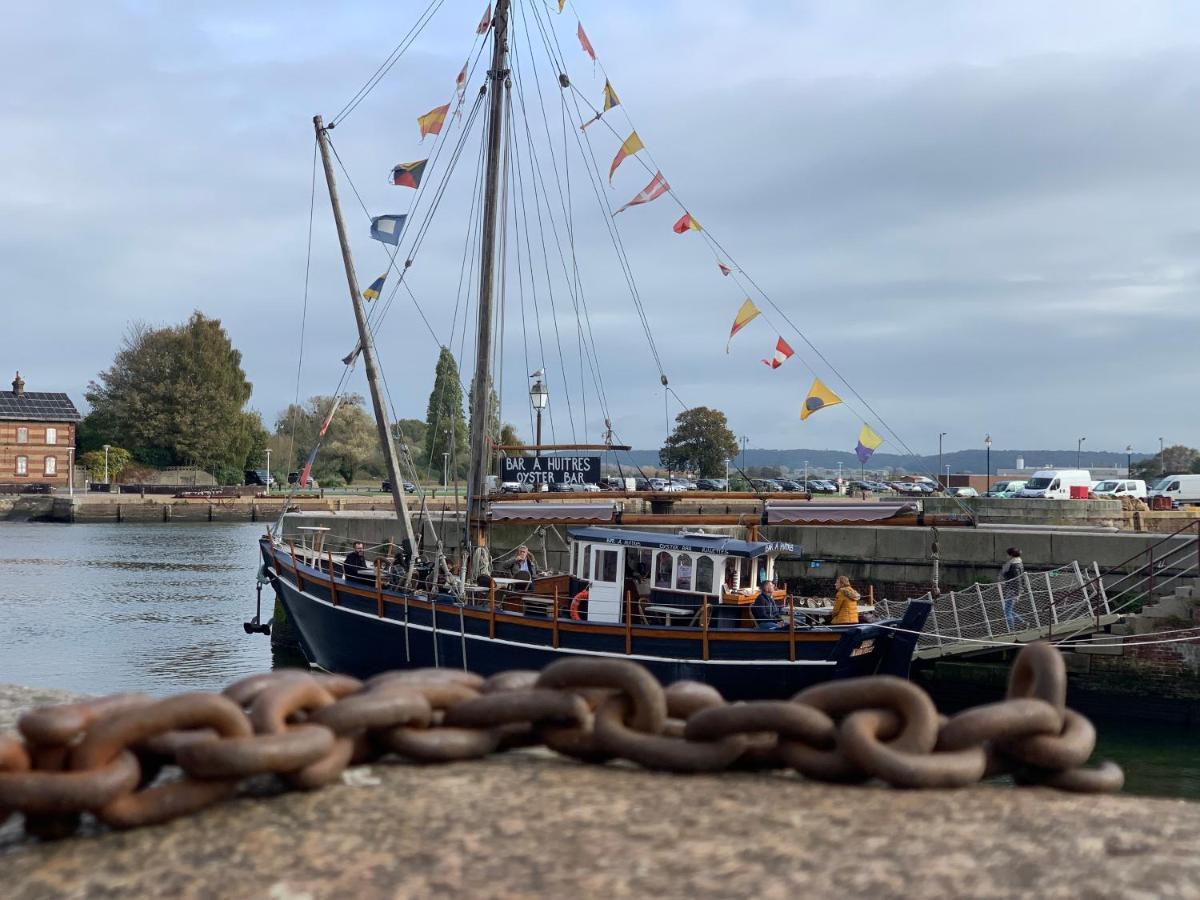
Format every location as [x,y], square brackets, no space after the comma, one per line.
[522,567]
[355,562]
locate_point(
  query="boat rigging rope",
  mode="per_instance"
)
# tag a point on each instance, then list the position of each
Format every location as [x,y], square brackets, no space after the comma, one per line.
[386,66]
[1062,642]
[312,203]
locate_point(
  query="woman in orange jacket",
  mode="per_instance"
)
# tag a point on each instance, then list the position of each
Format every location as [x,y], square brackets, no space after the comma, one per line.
[845,604]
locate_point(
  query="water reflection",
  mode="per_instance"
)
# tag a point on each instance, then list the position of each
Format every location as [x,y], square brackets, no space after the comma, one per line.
[128,607]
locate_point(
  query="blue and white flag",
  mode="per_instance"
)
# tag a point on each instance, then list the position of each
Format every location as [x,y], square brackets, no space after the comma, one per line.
[387,228]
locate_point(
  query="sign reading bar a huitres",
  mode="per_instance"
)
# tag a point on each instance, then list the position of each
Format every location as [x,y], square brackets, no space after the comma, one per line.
[551,469]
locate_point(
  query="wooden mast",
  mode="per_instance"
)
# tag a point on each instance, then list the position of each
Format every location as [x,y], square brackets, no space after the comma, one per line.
[367,348]
[481,386]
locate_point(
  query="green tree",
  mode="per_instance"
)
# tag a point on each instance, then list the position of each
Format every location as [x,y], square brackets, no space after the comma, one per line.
[350,448]
[701,441]
[1178,459]
[177,395]
[445,425]
[118,459]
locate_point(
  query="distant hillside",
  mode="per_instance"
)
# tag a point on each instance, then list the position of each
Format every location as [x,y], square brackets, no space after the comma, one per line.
[960,461]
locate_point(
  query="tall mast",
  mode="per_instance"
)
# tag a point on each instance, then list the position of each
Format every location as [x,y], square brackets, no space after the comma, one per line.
[368,348]
[481,386]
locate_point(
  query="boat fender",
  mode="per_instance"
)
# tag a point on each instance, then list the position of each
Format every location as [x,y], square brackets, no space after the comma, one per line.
[582,595]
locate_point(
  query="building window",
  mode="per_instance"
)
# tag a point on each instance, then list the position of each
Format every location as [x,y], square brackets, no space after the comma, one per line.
[52,436]
[22,435]
[51,465]
[22,465]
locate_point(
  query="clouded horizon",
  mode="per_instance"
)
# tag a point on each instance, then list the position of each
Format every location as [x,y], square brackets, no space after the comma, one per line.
[982,215]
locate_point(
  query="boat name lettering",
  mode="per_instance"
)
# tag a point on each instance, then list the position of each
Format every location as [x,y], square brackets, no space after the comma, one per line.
[864,648]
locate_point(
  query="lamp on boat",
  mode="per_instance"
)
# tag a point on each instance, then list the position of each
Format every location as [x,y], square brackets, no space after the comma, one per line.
[539,397]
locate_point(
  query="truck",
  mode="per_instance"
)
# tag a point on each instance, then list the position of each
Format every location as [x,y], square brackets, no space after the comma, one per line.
[1055,484]
[1183,490]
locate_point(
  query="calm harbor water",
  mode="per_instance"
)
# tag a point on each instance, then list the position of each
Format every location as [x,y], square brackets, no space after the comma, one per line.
[159,608]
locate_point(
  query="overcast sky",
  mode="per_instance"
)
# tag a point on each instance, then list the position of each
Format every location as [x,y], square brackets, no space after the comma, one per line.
[986,216]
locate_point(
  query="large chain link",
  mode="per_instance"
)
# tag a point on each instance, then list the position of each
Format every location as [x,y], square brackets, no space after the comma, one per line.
[130,760]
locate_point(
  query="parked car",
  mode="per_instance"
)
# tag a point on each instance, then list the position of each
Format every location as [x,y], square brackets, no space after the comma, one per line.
[1005,489]
[642,484]
[712,484]
[386,487]
[575,488]
[658,484]
[821,486]
[677,486]
[260,477]
[788,485]
[766,485]
[294,478]
[1119,487]
[962,492]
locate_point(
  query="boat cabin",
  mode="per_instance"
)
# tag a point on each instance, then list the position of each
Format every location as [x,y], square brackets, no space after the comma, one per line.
[669,577]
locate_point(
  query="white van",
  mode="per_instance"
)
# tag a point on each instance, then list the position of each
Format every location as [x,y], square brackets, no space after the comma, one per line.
[1182,489]
[1119,487]
[1055,484]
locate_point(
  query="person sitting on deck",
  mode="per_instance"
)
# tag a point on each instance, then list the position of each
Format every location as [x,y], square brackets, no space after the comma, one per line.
[764,609]
[522,568]
[355,562]
[845,604]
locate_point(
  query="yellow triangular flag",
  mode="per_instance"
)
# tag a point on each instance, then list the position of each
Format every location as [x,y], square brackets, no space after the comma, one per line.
[819,397]
[745,315]
[632,145]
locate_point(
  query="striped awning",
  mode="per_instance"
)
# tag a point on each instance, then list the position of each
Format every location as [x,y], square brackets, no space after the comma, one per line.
[553,512]
[817,513]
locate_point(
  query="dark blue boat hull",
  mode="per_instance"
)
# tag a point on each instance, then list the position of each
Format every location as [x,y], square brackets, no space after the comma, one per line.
[350,636]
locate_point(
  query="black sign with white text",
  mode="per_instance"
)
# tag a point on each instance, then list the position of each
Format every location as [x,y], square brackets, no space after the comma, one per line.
[551,469]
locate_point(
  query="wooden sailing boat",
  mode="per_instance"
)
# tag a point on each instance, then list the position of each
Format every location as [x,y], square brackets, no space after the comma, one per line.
[691,605]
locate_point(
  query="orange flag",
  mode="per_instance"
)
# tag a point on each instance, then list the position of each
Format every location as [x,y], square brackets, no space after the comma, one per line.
[746,314]
[632,145]
[432,121]
[486,22]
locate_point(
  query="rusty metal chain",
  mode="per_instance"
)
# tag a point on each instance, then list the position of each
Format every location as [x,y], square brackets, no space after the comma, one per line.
[130,760]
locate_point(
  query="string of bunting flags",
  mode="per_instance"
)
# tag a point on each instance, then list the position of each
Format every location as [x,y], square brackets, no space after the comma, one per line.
[819,395]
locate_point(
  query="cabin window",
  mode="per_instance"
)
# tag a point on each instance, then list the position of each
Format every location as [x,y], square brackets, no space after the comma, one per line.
[662,570]
[52,436]
[645,561]
[586,569]
[51,466]
[683,572]
[704,574]
[606,565]
[22,435]
[22,465]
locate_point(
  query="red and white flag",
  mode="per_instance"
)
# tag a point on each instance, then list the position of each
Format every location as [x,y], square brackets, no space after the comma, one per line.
[782,352]
[725,270]
[486,22]
[655,189]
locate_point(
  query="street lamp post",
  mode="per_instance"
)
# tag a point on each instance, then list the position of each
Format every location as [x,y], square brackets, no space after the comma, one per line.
[1162,458]
[71,471]
[987,481]
[839,481]
[806,475]
[106,463]
[1078,450]
[268,471]
[539,397]
[727,475]
[1128,459]
[745,441]
[445,464]
[940,436]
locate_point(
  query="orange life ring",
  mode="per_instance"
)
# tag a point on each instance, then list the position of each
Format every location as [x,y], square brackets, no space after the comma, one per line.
[582,595]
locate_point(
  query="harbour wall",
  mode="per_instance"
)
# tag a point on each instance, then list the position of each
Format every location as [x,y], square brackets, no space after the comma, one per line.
[894,557]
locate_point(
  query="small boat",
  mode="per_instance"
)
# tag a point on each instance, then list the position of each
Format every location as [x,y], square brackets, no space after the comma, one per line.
[683,605]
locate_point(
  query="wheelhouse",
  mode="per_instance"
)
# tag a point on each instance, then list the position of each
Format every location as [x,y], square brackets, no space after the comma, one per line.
[682,572]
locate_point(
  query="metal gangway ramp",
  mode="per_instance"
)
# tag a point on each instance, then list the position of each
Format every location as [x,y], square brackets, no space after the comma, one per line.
[1038,605]
[1057,605]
